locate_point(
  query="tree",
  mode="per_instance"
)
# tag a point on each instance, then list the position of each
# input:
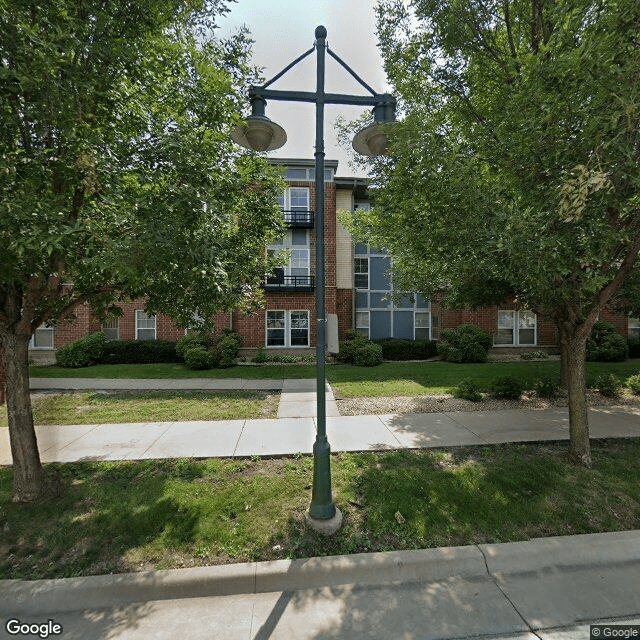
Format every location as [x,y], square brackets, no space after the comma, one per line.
[515,168]
[118,177]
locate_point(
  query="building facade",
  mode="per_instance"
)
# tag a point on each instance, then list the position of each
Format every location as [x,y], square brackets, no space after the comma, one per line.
[359,291]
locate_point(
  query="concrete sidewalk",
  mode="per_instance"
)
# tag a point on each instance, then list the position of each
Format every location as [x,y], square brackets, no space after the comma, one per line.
[286,436]
[548,588]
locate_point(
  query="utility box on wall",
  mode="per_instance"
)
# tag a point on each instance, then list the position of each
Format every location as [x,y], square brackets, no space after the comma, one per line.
[333,345]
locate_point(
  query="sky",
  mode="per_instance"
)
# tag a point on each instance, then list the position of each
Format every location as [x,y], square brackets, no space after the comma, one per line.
[282,31]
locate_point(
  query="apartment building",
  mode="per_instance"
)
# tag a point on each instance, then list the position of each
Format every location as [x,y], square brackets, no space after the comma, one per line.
[358,290]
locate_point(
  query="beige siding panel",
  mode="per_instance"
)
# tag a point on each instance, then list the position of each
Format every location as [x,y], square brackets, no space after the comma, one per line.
[344,262]
[344,199]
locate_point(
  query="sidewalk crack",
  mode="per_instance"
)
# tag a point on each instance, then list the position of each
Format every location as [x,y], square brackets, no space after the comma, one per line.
[244,424]
[158,438]
[502,591]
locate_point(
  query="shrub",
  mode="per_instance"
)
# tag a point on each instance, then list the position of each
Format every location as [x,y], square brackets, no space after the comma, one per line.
[140,352]
[83,352]
[284,357]
[507,387]
[609,385]
[232,335]
[198,358]
[534,355]
[348,347]
[395,349]
[633,382]
[353,334]
[261,356]
[467,343]
[191,340]
[546,388]
[367,354]
[468,389]
[605,344]
[225,351]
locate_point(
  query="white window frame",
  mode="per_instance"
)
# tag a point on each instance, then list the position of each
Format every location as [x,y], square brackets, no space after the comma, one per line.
[422,312]
[515,328]
[147,318]
[633,330]
[287,329]
[104,327]
[287,198]
[49,329]
[294,261]
[359,273]
[360,325]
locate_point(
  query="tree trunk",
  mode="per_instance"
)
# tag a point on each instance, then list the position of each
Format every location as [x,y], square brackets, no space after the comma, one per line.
[564,364]
[2,396]
[28,474]
[574,344]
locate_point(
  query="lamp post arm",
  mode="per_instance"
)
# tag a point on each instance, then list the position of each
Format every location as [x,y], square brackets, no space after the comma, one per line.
[289,66]
[351,71]
[311,96]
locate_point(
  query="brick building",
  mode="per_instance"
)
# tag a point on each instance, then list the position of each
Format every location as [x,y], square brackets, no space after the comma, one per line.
[358,291]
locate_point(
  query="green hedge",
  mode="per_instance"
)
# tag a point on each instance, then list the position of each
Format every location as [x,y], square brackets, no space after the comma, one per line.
[395,349]
[605,344]
[140,352]
[467,343]
[82,352]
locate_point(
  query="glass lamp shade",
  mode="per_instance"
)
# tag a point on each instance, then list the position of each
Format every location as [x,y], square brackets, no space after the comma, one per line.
[259,134]
[371,141]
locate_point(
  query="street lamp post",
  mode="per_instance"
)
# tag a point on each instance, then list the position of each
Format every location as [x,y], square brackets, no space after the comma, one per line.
[261,134]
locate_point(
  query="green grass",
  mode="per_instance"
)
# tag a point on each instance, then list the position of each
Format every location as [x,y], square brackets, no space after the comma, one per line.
[428,378]
[128,516]
[177,371]
[91,407]
[388,379]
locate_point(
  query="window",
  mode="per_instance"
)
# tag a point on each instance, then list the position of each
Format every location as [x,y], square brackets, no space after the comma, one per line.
[145,326]
[111,329]
[422,325]
[296,244]
[294,173]
[634,329]
[362,322]
[294,202]
[516,328]
[287,328]
[361,273]
[42,338]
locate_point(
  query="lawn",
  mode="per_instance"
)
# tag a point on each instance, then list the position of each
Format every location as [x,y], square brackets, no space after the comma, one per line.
[387,379]
[132,516]
[98,407]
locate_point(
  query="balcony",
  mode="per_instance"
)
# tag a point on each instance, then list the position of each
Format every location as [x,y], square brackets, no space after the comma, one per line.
[280,282]
[298,219]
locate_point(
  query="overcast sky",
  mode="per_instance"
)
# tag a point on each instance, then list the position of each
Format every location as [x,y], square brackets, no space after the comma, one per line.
[283,30]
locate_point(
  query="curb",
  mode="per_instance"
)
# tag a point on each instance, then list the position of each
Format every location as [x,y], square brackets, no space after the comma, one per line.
[487,561]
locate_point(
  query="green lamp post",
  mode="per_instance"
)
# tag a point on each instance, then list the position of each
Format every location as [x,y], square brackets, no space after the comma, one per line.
[258,133]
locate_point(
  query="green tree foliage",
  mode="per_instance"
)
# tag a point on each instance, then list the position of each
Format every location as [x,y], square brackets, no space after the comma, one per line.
[514,171]
[117,174]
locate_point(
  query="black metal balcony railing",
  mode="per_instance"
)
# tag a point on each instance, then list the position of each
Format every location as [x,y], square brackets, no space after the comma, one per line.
[280,282]
[297,219]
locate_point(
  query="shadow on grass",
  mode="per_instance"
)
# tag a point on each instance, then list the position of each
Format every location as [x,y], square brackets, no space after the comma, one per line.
[473,495]
[103,510]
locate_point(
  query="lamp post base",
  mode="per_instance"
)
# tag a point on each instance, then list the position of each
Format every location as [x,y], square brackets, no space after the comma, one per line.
[325,527]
